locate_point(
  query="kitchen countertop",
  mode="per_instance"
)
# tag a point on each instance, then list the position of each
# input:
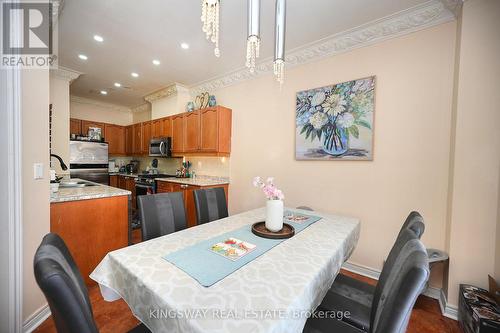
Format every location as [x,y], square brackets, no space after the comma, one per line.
[85,193]
[198,181]
[133,175]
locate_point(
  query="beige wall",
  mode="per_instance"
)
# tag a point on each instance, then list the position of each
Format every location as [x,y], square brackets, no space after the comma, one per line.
[497,251]
[59,98]
[35,193]
[412,140]
[87,109]
[139,117]
[474,211]
[171,105]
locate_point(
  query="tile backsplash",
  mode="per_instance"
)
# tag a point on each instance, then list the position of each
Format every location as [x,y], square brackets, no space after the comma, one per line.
[202,166]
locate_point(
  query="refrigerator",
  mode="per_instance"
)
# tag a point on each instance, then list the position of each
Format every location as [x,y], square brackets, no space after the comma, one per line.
[89,161]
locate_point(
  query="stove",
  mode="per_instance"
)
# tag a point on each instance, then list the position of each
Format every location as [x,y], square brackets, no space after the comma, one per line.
[149,179]
[145,184]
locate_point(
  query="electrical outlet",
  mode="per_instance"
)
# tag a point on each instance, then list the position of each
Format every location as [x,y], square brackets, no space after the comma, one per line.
[38,170]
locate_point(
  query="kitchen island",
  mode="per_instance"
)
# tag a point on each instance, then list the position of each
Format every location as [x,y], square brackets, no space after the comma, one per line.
[92,220]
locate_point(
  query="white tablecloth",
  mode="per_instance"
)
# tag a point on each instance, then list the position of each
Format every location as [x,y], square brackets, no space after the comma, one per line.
[273,293]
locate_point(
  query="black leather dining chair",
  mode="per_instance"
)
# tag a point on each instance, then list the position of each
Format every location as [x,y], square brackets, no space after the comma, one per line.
[357,296]
[393,304]
[161,214]
[62,284]
[210,204]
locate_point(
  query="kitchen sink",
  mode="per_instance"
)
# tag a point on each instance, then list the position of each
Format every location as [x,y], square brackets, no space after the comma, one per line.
[79,183]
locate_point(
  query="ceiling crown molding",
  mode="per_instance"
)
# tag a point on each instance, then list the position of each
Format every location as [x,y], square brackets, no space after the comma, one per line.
[141,108]
[92,102]
[453,6]
[66,74]
[402,23]
[171,90]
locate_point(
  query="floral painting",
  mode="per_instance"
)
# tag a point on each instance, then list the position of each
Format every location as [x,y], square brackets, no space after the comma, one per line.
[336,122]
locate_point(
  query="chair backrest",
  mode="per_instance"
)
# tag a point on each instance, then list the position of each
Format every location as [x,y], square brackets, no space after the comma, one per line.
[210,204]
[404,237]
[161,214]
[61,282]
[405,283]
[415,222]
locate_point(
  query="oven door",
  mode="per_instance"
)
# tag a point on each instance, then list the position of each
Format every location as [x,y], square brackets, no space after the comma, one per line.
[144,189]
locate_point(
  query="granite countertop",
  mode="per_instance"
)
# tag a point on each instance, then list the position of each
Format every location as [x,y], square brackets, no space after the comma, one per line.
[85,193]
[198,181]
[133,175]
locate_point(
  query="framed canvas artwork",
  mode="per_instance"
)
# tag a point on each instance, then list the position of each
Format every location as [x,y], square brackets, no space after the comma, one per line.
[336,122]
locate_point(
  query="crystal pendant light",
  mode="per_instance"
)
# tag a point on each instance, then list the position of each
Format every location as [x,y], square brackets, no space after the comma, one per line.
[253,40]
[279,41]
[210,19]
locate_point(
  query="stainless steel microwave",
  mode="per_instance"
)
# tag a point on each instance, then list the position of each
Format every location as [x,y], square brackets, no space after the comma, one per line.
[161,147]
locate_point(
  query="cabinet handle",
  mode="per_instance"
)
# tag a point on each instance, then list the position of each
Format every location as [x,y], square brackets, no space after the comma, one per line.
[184,186]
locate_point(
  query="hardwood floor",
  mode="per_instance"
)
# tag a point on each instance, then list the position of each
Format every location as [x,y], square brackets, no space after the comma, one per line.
[115,317]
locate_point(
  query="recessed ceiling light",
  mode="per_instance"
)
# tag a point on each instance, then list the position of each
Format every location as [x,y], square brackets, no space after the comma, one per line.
[104,92]
[134,74]
[185,46]
[82,56]
[98,38]
[156,62]
[118,85]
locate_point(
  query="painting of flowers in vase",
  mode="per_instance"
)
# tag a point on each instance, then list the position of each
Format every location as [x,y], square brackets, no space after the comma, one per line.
[336,122]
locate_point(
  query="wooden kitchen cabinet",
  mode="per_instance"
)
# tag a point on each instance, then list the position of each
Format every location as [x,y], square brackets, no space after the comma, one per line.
[91,229]
[137,142]
[178,133]
[146,137]
[75,126]
[205,132]
[156,128]
[192,131]
[166,128]
[115,136]
[215,130]
[113,180]
[188,195]
[86,124]
[129,140]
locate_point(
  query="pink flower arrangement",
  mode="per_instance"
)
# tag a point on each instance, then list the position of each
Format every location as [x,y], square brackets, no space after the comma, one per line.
[270,190]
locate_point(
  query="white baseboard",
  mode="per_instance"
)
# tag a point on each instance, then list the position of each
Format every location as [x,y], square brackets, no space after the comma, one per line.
[37,319]
[432,292]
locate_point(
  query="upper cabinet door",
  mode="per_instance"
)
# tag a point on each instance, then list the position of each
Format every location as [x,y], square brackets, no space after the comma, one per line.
[137,139]
[146,137]
[75,126]
[192,131]
[129,140]
[115,136]
[166,128]
[156,128]
[209,130]
[178,133]
[86,124]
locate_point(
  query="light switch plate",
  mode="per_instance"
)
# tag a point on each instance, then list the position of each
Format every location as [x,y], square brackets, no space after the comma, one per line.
[38,170]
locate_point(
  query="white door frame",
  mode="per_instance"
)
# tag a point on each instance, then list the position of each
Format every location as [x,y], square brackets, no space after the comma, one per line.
[10,105]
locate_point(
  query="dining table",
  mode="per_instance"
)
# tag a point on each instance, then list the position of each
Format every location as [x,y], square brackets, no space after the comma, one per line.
[275,292]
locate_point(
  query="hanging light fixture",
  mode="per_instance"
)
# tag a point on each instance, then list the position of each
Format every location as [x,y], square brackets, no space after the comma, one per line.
[210,19]
[253,40]
[279,41]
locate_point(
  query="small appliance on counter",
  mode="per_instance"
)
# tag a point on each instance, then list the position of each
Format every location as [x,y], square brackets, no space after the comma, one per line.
[133,166]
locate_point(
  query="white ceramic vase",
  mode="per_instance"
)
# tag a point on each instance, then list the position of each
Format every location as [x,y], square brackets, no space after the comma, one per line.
[274,215]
